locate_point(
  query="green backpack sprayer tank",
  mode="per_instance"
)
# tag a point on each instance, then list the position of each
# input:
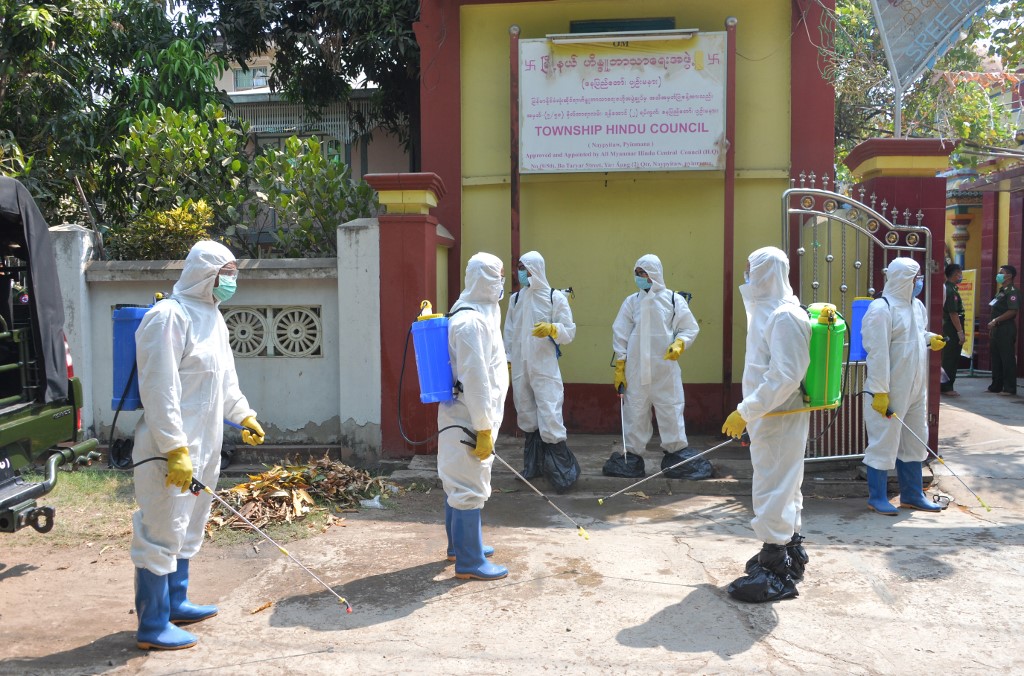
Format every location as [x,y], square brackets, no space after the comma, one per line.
[823,383]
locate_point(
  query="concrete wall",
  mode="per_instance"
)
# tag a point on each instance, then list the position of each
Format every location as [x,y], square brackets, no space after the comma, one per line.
[313,379]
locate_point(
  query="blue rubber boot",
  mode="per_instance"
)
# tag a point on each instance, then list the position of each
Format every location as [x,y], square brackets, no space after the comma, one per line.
[153,606]
[911,487]
[488,551]
[878,497]
[184,611]
[470,563]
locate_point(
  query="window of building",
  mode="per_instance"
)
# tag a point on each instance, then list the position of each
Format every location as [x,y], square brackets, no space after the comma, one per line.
[250,79]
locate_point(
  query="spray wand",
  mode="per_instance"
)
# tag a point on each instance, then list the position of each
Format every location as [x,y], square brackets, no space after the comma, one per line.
[890,414]
[579,529]
[600,501]
[198,486]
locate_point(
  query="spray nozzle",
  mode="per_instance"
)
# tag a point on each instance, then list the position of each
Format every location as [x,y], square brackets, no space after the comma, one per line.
[427,311]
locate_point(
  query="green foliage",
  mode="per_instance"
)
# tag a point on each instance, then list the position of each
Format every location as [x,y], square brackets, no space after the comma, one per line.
[171,156]
[74,73]
[310,195]
[865,98]
[163,235]
[369,40]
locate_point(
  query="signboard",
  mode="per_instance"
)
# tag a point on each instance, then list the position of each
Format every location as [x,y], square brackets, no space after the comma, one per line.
[622,105]
[916,33]
[967,295]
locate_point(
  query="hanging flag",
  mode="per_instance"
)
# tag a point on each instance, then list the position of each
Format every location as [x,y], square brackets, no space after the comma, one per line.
[916,33]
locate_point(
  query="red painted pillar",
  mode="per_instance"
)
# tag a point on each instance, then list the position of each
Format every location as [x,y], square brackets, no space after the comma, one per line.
[903,173]
[408,275]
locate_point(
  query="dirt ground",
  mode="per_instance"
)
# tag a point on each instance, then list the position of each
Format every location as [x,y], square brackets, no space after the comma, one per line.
[912,594]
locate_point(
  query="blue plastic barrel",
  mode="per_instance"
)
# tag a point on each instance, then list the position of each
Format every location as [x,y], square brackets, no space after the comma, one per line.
[126,321]
[859,307]
[433,365]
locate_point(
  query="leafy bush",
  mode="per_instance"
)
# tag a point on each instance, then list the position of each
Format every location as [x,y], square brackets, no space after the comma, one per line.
[310,194]
[176,156]
[163,235]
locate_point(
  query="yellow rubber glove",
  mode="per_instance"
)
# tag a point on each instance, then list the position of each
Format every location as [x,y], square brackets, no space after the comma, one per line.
[484,445]
[545,329]
[734,425]
[936,343]
[179,469]
[880,403]
[675,349]
[620,374]
[254,438]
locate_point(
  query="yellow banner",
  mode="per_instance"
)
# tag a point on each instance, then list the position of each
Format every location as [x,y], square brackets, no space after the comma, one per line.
[967,295]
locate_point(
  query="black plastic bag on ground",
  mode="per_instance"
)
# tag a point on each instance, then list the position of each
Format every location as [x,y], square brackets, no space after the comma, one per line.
[626,466]
[533,455]
[761,585]
[694,470]
[560,466]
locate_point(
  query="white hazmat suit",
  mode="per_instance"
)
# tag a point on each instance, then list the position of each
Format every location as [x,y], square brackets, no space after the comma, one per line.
[895,335]
[777,357]
[536,379]
[188,387]
[647,324]
[478,364]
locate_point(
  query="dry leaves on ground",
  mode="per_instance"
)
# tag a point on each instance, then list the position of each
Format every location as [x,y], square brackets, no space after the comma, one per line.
[285,493]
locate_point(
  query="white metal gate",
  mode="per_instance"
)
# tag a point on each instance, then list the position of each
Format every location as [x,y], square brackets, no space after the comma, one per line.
[839,245]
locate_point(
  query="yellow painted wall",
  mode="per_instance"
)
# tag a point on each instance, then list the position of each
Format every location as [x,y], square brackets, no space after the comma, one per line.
[591,228]
[972,254]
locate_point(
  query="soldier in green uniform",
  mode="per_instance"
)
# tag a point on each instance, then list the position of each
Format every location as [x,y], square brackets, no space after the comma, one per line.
[1002,332]
[952,327]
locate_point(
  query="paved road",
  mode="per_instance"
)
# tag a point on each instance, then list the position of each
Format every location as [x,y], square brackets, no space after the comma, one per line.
[918,593]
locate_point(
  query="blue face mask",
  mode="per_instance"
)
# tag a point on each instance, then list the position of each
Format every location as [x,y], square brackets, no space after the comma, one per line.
[918,286]
[642,283]
[524,279]
[225,288]
[1000,278]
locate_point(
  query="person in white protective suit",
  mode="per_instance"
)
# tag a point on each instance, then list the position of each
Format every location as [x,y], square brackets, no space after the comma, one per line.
[188,387]
[777,357]
[896,339]
[481,377]
[538,321]
[653,328]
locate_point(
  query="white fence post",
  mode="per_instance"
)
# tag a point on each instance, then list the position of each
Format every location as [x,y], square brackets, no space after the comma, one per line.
[74,247]
[359,337]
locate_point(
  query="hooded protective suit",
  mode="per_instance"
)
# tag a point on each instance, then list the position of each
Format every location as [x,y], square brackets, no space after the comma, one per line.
[647,324]
[778,354]
[478,363]
[895,336]
[188,387]
[536,379]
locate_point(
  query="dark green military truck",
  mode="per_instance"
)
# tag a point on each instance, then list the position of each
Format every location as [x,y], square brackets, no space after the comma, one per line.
[40,399]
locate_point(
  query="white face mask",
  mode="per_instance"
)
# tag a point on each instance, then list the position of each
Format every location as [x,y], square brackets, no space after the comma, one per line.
[746,276]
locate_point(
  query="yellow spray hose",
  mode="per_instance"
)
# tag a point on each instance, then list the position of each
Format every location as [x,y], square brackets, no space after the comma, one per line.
[939,458]
[199,486]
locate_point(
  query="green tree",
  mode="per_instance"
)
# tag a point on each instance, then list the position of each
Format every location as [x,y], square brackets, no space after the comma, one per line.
[74,73]
[171,157]
[321,47]
[309,194]
[854,61]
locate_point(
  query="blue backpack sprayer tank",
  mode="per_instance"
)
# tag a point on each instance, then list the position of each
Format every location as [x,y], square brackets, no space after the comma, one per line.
[433,364]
